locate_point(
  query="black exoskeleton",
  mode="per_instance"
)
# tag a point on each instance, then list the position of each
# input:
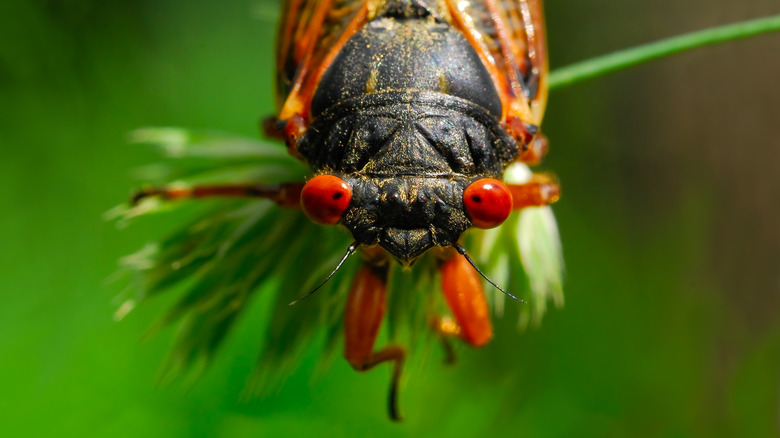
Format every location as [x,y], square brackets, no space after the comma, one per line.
[408,116]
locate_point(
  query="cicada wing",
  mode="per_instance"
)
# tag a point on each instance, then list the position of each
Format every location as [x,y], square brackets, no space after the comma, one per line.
[510,37]
[311,33]
[539,62]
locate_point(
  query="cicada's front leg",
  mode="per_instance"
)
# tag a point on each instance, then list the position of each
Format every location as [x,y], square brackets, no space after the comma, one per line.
[365,311]
[462,288]
[286,195]
[460,282]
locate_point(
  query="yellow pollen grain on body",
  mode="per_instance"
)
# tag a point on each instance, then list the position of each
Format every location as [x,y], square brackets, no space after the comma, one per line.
[372,81]
[444,84]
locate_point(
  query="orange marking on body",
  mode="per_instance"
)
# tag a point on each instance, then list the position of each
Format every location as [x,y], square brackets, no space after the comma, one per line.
[294,103]
[356,24]
[533,17]
[286,34]
[505,41]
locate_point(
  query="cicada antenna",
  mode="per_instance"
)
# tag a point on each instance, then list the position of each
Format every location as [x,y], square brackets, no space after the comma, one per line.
[462,251]
[350,250]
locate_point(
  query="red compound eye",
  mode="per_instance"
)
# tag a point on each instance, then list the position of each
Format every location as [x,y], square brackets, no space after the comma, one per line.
[325,198]
[488,202]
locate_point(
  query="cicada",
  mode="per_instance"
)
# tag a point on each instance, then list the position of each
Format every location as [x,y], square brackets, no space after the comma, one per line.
[408,113]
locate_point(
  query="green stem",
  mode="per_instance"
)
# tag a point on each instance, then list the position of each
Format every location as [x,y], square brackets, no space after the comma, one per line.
[626,58]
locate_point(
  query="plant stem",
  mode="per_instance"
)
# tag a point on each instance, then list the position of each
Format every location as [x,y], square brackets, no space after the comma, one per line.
[637,55]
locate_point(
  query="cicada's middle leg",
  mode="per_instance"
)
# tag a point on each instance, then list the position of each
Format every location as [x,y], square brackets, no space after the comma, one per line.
[365,310]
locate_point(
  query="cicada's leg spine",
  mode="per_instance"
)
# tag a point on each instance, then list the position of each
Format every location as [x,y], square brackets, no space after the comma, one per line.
[465,296]
[366,306]
[286,195]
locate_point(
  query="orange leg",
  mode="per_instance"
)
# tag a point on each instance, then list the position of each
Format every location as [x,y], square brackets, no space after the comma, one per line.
[462,287]
[365,310]
[541,191]
[286,195]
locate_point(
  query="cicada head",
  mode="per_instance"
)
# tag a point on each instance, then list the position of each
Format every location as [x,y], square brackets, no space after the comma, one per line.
[407,171]
[407,215]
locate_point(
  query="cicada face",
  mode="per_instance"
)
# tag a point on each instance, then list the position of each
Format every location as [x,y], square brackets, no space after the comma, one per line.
[408,117]
[406,215]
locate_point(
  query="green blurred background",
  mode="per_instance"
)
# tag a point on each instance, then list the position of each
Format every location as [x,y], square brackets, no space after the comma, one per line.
[669,222]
